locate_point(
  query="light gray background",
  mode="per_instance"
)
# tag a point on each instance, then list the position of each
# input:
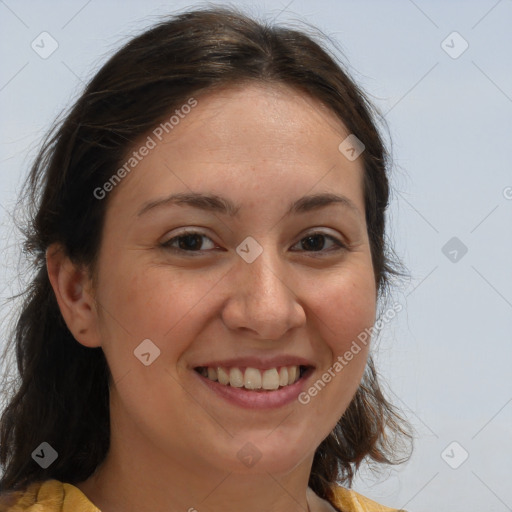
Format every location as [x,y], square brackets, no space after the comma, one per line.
[447,356]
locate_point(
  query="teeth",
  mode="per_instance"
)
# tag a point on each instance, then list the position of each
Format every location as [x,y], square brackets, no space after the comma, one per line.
[252,378]
[293,372]
[236,378]
[283,376]
[270,379]
[222,376]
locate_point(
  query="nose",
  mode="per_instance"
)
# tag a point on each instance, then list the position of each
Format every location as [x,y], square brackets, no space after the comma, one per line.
[262,299]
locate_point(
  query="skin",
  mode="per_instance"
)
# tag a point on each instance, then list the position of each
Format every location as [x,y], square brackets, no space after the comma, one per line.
[174,443]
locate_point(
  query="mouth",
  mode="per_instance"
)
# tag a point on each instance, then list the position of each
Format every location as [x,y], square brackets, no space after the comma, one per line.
[254,379]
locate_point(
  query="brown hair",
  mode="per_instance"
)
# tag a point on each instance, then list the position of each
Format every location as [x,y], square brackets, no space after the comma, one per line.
[62,395]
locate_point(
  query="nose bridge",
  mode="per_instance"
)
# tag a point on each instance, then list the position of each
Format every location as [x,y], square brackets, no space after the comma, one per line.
[266,277]
[261,297]
[265,282]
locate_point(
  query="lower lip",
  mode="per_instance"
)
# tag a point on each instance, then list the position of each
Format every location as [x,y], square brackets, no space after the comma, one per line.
[261,399]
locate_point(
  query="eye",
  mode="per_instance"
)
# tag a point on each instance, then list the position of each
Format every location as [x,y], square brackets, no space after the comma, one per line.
[188,241]
[192,241]
[315,242]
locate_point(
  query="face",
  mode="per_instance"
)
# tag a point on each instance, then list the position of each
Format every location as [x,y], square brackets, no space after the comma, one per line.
[246,271]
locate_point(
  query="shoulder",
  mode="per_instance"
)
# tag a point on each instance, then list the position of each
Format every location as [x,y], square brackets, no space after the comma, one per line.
[46,496]
[56,496]
[350,501]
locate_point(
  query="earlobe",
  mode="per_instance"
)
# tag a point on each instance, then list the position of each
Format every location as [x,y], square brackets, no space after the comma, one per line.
[72,287]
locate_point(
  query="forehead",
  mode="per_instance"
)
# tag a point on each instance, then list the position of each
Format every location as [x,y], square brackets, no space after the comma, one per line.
[270,138]
[275,115]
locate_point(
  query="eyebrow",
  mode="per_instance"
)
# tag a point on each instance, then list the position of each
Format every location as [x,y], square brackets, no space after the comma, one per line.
[218,204]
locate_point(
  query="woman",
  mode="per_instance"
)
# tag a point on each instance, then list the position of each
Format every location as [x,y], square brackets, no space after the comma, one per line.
[209,246]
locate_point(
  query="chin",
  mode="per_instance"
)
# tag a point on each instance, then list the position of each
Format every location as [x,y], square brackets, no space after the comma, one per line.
[263,453]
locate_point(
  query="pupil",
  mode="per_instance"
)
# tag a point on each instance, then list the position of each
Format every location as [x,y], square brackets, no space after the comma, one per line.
[313,246]
[188,238]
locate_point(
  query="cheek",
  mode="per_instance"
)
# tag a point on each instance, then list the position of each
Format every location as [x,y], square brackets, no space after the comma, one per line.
[346,307]
[345,313]
[154,305]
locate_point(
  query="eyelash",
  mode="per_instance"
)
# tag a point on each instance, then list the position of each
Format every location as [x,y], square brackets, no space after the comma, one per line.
[168,244]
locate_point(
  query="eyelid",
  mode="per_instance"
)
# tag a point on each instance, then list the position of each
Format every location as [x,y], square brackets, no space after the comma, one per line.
[328,234]
[185,232]
[338,241]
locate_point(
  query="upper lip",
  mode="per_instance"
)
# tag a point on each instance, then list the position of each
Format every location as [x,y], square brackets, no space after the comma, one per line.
[260,363]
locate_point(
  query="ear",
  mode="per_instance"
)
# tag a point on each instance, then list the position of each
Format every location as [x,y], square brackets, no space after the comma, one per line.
[73,289]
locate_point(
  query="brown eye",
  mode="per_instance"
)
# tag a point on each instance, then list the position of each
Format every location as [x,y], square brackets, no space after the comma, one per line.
[316,242]
[189,241]
[193,241]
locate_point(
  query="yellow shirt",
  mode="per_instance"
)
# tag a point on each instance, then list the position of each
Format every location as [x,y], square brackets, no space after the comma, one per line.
[56,496]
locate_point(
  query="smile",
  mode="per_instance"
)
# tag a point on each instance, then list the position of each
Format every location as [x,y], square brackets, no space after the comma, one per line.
[252,378]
